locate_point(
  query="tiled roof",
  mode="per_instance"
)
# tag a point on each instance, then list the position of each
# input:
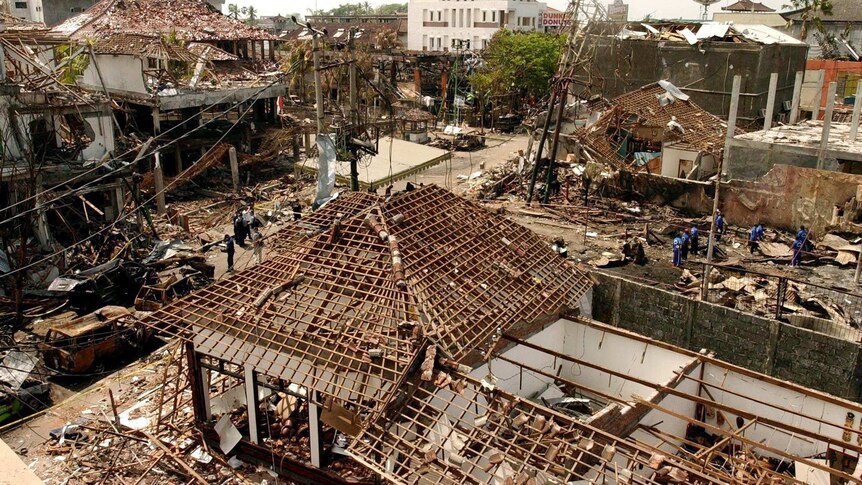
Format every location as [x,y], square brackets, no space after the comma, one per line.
[642,109]
[747,6]
[189,20]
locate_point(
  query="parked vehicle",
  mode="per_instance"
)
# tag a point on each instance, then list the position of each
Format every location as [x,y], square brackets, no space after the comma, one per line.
[81,344]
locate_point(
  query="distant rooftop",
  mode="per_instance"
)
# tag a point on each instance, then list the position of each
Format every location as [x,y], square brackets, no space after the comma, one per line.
[747,6]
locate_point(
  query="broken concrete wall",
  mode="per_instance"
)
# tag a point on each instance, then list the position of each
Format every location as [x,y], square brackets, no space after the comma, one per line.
[775,348]
[785,198]
[751,160]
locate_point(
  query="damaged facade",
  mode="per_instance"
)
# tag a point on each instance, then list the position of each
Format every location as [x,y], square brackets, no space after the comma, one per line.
[657,126]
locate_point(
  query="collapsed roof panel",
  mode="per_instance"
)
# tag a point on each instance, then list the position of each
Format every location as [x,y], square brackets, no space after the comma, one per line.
[344,310]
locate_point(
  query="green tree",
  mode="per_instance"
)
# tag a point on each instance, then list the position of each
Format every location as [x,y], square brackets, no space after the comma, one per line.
[517,63]
[811,11]
[233,10]
[391,8]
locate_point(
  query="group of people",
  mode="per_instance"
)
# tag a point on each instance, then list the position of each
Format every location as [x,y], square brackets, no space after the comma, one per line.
[245,226]
[686,242]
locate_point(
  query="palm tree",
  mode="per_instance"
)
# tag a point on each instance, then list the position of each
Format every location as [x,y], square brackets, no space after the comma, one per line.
[233,10]
[811,11]
[251,12]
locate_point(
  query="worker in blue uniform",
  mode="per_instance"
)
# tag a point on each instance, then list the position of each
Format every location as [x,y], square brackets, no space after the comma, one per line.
[695,243]
[677,251]
[755,235]
[720,225]
[686,240]
[797,253]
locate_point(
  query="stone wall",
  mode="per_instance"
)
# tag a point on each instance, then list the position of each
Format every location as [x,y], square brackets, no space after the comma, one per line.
[784,198]
[778,349]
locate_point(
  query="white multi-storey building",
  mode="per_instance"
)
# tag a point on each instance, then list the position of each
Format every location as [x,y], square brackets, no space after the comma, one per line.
[433,25]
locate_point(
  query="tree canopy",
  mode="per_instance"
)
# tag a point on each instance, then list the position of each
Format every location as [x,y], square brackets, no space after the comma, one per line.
[811,11]
[517,63]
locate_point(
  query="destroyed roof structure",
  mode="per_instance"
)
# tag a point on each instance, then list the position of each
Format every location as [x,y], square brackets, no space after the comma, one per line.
[651,121]
[188,20]
[147,46]
[367,33]
[445,342]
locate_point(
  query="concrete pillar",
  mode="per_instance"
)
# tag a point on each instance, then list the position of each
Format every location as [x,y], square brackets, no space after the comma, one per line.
[251,403]
[159,177]
[818,97]
[307,141]
[314,431]
[157,121]
[797,93]
[827,124]
[770,101]
[857,107]
[234,169]
[296,148]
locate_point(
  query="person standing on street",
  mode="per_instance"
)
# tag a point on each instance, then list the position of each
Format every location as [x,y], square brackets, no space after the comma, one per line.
[231,250]
[257,246]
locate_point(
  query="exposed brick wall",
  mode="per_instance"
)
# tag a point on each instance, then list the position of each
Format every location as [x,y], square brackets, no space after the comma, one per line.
[808,358]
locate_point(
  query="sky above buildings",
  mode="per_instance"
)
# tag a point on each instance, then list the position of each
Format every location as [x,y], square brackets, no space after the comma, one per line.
[638,9]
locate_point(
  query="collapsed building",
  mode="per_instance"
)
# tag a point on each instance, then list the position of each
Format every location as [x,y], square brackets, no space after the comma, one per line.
[375,335]
[54,136]
[701,59]
[173,67]
[657,128]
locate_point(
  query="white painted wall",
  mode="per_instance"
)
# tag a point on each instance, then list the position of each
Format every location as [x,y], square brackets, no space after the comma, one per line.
[461,19]
[783,397]
[620,354]
[670,158]
[120,73]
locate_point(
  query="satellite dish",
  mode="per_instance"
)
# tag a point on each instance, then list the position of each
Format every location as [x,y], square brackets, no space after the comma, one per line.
[705,4]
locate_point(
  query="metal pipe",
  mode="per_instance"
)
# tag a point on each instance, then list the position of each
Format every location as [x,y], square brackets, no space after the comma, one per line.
[731,129]
[560,110]
[354,109]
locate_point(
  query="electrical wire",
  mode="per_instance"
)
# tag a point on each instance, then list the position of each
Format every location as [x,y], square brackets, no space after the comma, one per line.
[141,156]
[138,208]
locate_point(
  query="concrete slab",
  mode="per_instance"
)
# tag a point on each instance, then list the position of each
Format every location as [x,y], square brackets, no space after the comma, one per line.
[15,471]
[397,160]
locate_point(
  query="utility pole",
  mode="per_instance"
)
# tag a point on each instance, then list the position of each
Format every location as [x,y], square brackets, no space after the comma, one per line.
[354,109]
[318,90]
[731,129]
